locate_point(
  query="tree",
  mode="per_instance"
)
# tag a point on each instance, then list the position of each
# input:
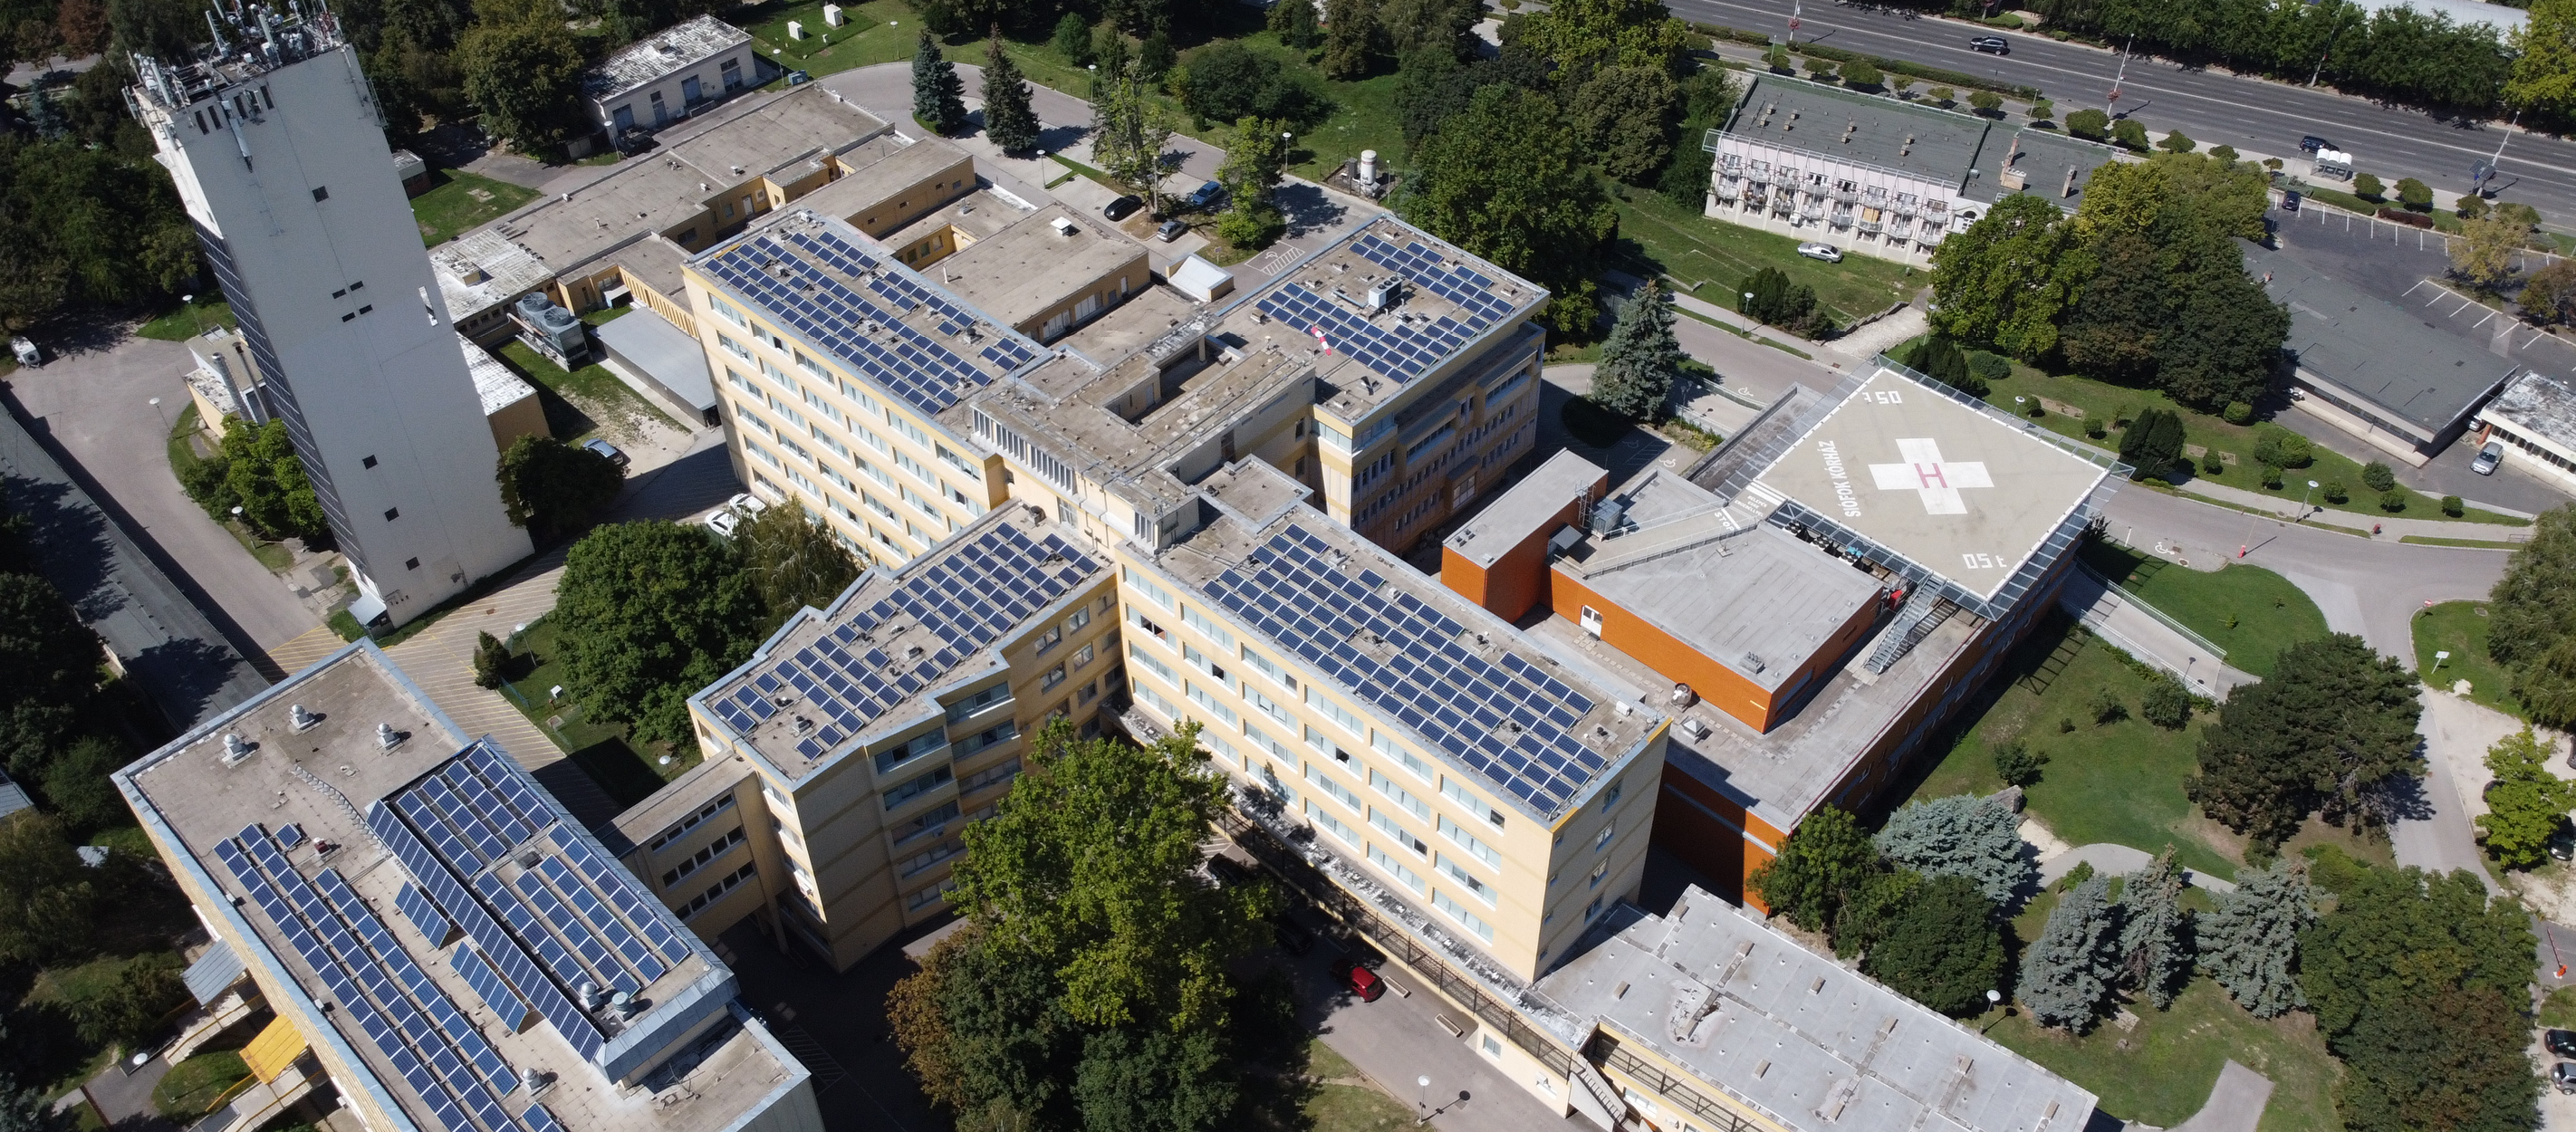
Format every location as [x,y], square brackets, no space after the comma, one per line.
[1296,25]
[2367,186]
[1010,122]
[1706,101]
[524,76]
[794,561]
[78,787]
[2017,764]
[1504,180]
[1824,861]
[48,659]
[2550,296]
[2004,280]
[2483,255]
[2152,442]
[648,613]
[1941,949]
[2534,606]
[1154,57]
[2167,704]
[2042,110]
[1072,39]
[629,20]
[2526,804]
[2400,941]
[491,661]
[1128,136]
[2249,939]
[1872,907]
[1986,102]
[46,894]
[2414,194]
[938,95]
[2067,973]
[2544,67]
[265,474]
[1255,162]
[1624,116]
[89,226]
[984,1031]
[1962,835]
[128,1010]
[551,483]
[1411,26]
[2327,732]
[1585,36]
[1153,1080]
[1940,359]
[30,1110]
[2155,933]
[1777,302]
[2177,142]
[2281,448]
[1858,72]
[1639,358]
[1350,38]
[1229,82]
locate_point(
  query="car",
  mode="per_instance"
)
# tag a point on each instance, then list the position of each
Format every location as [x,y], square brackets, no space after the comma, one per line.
[2562,1076]
[1170,231]
[1123,207]
[1295,939]
[1363,982]
[2562,846]
[2560,1042]
[747,503]
[2488,458]
[724,521]
[2313,143]
[2290,200]
[1825,252]
[1226,872]
[604,448]
[798,78]
[1203,196]
[1990,44]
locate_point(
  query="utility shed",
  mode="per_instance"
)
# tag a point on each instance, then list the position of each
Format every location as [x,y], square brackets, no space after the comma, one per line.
[664,356]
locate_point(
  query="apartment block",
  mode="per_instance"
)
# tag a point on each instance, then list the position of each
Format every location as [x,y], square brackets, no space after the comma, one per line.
[443,945]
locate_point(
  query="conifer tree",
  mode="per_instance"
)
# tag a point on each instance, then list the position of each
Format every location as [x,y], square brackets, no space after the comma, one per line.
[938,95]
[1639,358]
[2063,976]
[2249,940]
[1962,835]
[1010,122]
[2154,932]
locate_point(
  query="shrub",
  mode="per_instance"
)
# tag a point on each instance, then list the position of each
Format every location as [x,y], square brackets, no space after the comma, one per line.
[2129,135]
[2042,110]
[2177,142]
[2367,187]
[491,660]
[1860,73]
[2096,431]
[2452,506]
[2401,216]
[1821,70]
[2376,476]
[2037,409]
[2237,413]
[2017,763]
[1991,367]
[2106,707]
[2167,704]
[2271,477]
[1942,95]
[2336,492]
[2211,464]
[2282,448]
[2415,195]
[2471,207]
[1987,102]
[2392,500]
[2226,153]
[2089,123]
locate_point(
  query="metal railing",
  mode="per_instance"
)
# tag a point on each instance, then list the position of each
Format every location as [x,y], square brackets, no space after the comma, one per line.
[1607,1053]
[2115,589]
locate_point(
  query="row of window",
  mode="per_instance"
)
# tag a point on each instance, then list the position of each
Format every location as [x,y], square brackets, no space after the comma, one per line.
[677,829]
[716,891]
[702,857]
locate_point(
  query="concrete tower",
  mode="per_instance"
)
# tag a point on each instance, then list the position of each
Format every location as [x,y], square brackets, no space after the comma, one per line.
[280,157]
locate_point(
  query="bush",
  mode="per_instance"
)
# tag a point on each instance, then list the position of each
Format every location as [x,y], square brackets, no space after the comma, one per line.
[1821,70]
[2225,153]
[2471,207]
[2271,477]
[2042,110]
[2177,142]
[1987,102]
[1991,367]
[2281,448]
[2392,500]
[2415,195]
[2452,506]
[1860,73]
[1251,228]
[2167,704]
[2401,216]
[2089,123]
[2336,492]
[2237,413]
[2211,464]
[2106,707]
[2376,476]
[1942,94]
[2129,135]
[2017,763]
[2367,187]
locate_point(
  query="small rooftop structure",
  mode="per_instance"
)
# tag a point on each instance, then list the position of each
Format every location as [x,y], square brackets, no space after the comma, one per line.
[1201,280]
[1805,1043]
[494,381]
[1022,270]
[1523,510]
[2375,360]
[675,48]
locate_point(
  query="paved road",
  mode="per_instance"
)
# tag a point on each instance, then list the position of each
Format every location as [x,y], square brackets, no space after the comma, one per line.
[2211,106]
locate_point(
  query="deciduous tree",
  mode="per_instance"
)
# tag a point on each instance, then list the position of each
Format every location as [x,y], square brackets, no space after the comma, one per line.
[2526,804]
[1409,26]
[2543,80]
[1962,835]
[2327,732]
[264,473]
[2550,296]
[1825,860]
[794,561]
[1351,39]
[1625,117]
[648,614]
[2067,973]
[1504,180]
[1941,948]
[2483,255]
[2152,442]
[46,894]
[1640,357]
[2249,939]
[2006,279]
[1585,36]
[1296,25]
[1129,133]
[553,484]
[524,76]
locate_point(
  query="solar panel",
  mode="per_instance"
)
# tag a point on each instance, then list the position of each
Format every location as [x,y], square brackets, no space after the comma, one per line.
[491,987]
[290,836]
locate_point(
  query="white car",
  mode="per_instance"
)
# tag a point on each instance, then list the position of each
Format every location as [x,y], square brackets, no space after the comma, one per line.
[1825,252]
[724,521]
[2488,458]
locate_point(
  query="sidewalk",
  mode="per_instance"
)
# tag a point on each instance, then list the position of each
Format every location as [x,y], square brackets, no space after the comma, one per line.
[2135,628]
[2392,528]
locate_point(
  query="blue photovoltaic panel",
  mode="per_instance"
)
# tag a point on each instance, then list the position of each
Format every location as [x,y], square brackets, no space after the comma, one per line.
[424,914]
[494,990]
[540,1120]
[1508,721]
[1405,352]
[290,836]
[596,912]
[622,889]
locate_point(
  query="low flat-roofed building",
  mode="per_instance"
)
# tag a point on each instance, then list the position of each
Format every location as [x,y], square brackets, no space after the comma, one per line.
[1876,175]
[663,356]
[509,403]
[2373,369]
[454,951]
[1047,272]
[668,76]
[2535,419]
[1708,1018]
[1493,558]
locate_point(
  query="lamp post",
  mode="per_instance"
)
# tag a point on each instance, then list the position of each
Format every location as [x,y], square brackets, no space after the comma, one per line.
[166,423]
[1994,998]
[2303,500]
[1425,1102]
[197,324]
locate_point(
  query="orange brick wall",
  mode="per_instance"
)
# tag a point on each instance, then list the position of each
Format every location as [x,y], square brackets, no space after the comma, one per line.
[1659,650]
[1518,579]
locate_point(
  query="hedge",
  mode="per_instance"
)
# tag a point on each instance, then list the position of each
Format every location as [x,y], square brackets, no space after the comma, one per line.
[1891,66]
[2401,216]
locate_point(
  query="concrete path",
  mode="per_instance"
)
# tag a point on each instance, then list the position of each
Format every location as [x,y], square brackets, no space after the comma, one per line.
[2393,528]
[2235,1102]
[2108,859]
[2139,630]
[1868,341]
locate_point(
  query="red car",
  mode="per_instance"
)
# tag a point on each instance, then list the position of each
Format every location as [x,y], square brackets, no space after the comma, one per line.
[1359,980]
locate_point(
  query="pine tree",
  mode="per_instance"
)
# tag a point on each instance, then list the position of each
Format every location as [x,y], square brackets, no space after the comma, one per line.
[1009,121]
[1639,358]
[2154,932]
[938,95]
[1962,835]
[2249,940]
[2062,975]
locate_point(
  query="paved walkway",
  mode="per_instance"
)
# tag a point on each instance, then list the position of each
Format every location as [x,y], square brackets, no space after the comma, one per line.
[2138,629]
[2108,859]
[2392,528]
[2235,1102]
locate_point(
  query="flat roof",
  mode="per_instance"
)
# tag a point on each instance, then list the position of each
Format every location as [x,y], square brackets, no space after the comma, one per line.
[494,382]
[2045,157]
[1953,489]
[1459,682]
[2542,405]
[840,682]
[1931,143]
[842,293]
[1800,1039]
[2375,349]
[670,356]
[668,51]
[454,925]
[881,166]
[1017,273]
[1524,508]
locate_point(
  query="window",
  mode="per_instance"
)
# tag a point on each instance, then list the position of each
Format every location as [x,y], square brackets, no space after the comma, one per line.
[930,824]
[392,513]
[955,461]
[677,829]
[980,700]
[1398,795]
[1271,669]
[1459,873]
[920,745]
[411,564]
[727,312]
[321,193]
[1199,660]
[369,462]
[1385,822]
[1082,656]
[1224,750]
[1161,702]
[1154,664]
[1002,732]
[1598,871]
[1458,792]
[1215,632]
[895,798]
[1591,910]
[1157,594]
[1610,797]
[1467,841]
[732,881]
[1325,821]
[1492,1047]
[1337,712]
[1080,618]
[1603,842]
[1199,695]
[913,466]
[1052,677]
[1394,868]
[1266,705]
[1344,794]
[1465,918]
[702,857]
[1263,740]
[734,348]
[1002,772]
[913,431]
[1412,762]
[1049,639]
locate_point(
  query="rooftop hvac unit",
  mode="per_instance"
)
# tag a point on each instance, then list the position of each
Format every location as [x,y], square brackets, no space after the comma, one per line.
[1063,226]
[1381,295]
[1606,515]
[1695,729]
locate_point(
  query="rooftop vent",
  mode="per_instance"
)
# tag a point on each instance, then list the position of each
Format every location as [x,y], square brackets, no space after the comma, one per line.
[386,737]
[1381,295]
[1695,729]
[235,750]
[301,718]
[1683,696]
[1063,225]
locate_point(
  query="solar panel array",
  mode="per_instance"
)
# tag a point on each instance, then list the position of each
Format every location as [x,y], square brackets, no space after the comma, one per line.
[573,920]
[438,1052]
[1509,721]
[929,374]
[424,914]
[967,599]
[1402,353]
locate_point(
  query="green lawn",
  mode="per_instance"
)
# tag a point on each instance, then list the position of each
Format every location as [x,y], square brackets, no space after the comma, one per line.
[188,320]
[458,200]
[1714,258]
[2161,1071]
[2460,628]
[2251,612]
[192,1087]
[1326,1094]
[828,49]
[2559,1009]
[599,747]
[588,400]
[2100,401]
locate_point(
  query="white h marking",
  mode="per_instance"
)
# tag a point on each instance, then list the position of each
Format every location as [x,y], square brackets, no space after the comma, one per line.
[1925,473]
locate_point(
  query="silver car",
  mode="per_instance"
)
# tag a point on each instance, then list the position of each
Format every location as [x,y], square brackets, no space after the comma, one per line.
[2488,458]
[1825,252]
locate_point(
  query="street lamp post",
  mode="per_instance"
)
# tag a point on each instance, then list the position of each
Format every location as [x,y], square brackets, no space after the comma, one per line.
[166,423]
[1425,1103]
[2438,658]
[2303,500]
[1994,998]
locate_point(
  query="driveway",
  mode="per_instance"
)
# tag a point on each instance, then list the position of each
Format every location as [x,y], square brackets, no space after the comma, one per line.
[95,403]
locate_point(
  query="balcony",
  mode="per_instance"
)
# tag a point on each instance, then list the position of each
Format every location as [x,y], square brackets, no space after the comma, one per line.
[1870,226]
[1846,196]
